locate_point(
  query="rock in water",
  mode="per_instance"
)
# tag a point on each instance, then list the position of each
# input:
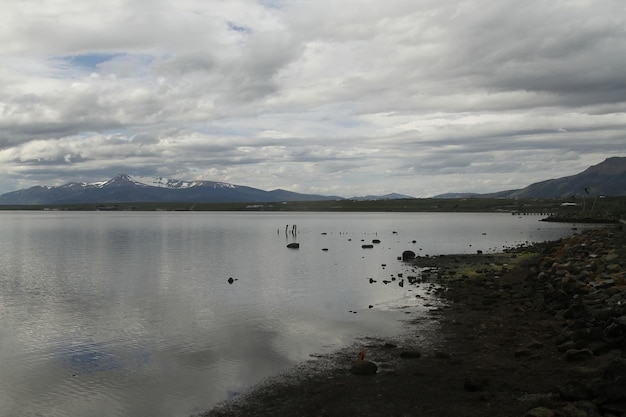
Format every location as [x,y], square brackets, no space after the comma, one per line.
[407,255]
[363,367]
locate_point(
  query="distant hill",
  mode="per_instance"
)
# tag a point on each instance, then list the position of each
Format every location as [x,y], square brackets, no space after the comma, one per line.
[458,195]
[392,196]
[606,178]
[125,188]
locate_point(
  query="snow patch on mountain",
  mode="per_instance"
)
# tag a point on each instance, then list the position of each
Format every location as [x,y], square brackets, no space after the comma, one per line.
[159,182]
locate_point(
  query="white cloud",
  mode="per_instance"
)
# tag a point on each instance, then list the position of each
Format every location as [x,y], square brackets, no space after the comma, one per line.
[352,97]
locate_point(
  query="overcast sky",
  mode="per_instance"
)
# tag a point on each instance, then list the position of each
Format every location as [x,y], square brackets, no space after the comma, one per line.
[342,97]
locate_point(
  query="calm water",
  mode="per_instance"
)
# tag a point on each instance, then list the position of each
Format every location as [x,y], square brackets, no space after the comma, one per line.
[131,314]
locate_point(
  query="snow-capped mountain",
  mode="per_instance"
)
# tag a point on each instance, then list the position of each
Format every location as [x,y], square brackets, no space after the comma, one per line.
[159,182]
[125,188]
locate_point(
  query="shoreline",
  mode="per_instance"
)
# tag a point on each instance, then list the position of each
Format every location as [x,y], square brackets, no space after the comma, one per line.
[528,332]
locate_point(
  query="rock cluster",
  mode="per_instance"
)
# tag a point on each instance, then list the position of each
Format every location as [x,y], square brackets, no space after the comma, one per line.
[581,281]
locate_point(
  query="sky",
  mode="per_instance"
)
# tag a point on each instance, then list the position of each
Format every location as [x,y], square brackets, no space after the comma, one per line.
[333,97]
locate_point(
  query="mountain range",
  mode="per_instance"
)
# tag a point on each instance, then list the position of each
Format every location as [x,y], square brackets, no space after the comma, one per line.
[606,178]
[125,188]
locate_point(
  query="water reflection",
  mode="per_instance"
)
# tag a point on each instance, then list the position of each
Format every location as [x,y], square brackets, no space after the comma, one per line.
[129,314]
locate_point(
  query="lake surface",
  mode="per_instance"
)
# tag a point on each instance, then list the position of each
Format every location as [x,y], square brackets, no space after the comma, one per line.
[131,313]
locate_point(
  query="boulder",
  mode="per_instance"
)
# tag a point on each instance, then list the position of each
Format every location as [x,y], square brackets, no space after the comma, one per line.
[540,412]
[614,409]
[616,369]
[363,367]
[609,391]
[574,355]
[574,391]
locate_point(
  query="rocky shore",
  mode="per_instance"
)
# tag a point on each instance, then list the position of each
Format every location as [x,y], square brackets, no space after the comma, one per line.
[583,217]
[538,331]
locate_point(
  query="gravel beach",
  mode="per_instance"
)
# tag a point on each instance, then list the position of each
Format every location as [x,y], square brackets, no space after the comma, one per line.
[538,331]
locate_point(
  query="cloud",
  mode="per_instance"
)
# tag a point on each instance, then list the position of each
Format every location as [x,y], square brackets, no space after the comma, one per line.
[357,97]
